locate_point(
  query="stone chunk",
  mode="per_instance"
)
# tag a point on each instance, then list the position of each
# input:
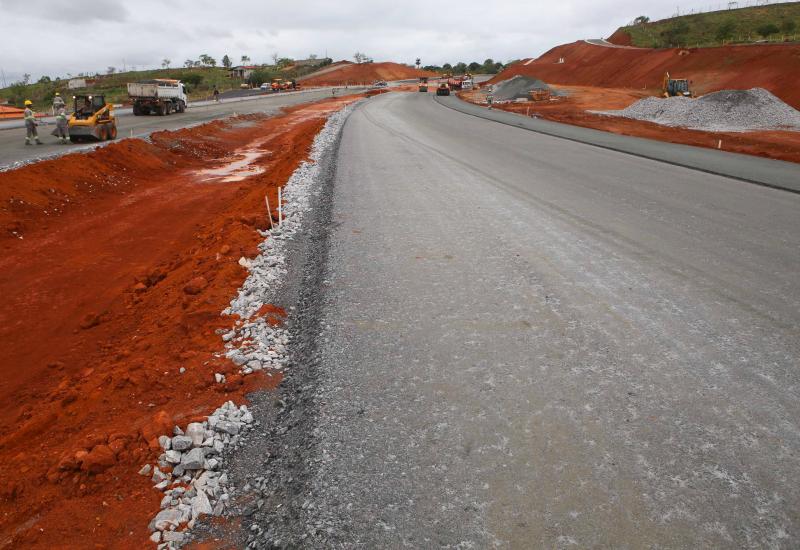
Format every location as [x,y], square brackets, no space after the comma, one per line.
[193,460]
[227,427]
[145,471]
[181,442]
[173,457]
[197,432]
[167,518]
[200,505]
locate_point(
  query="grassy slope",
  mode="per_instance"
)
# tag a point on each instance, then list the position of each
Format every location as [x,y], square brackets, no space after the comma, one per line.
[703,29]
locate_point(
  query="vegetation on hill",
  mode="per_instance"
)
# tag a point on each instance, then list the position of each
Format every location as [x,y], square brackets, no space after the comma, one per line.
[199,80]
[775,22]
[489,66]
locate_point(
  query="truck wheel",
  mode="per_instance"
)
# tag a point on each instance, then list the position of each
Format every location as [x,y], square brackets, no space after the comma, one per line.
[102,133]
[169,108]
[181,107]
[162,110]
[136,109]
[112,131]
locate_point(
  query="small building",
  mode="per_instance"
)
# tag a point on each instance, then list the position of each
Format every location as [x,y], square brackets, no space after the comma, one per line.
[243,71]
[76,83]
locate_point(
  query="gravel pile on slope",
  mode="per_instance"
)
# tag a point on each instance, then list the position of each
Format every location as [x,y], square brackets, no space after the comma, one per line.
[724,111]
[517,87]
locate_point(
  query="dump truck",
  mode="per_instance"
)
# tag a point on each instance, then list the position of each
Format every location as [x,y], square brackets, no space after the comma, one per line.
[159,96]
[92,119]
[672,87]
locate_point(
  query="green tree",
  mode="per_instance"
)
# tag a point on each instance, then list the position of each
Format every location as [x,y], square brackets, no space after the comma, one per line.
[767,29]
[226,61]
[641,20]
[260,76]
[447,67]
[208,61]
[726,30]
[45,80]
[474,67]
[676,33]
[460,68]
[788,26]
[193,79]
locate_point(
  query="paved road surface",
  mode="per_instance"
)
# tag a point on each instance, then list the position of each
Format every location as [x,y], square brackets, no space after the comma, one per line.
[770,172]
[535,343]
[12,141]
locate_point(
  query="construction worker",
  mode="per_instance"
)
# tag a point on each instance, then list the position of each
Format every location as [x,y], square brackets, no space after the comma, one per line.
[62,125]
[30,124]
[58,103]
[216,93]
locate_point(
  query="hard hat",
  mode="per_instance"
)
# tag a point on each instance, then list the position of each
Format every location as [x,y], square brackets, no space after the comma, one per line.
[28,102]
[57,94]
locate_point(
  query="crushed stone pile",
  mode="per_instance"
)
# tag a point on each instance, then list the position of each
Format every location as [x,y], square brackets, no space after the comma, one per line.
[723,111]
[517,87]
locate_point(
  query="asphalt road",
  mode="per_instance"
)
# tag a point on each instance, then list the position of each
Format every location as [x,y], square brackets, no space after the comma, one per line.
[12,141]
[529,342]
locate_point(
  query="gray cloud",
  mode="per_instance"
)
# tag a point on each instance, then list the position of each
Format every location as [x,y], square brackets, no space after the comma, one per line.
[72,12]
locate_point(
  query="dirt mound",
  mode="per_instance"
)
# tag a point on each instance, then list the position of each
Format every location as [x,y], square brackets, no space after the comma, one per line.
[517,87]
[364,73]
[769,66]
[112,290]
[621,38]
[724,111]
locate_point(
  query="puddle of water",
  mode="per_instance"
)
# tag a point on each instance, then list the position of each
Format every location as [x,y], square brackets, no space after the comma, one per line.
[235,170]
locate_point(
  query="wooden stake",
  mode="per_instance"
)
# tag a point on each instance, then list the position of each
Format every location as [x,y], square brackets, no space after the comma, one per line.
[269,212]
[719,144]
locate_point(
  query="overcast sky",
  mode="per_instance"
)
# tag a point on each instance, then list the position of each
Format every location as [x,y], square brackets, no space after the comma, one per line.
[57,37]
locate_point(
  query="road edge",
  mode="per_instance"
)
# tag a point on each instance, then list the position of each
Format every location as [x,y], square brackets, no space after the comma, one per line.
[486,115]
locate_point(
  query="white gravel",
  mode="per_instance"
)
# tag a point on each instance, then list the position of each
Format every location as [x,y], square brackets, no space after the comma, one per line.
[198,483]
[724,111]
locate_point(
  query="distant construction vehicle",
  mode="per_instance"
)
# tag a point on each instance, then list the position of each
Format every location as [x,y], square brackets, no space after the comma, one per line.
[423,84]
[672,87]
[92,119]
[159,96]
[443,89]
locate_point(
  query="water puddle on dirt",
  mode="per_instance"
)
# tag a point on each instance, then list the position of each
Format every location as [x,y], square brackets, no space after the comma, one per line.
[235,170]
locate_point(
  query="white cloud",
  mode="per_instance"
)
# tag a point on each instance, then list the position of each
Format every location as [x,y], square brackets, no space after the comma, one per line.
[56,38]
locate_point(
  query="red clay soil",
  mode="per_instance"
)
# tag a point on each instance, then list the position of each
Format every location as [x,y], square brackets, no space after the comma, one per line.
[125,262]
[771,66]
[620,38]
[365,73]
[572,110]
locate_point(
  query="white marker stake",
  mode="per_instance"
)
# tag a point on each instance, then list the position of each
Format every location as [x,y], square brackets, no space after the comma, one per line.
[269,212]
[280,207]
[719,144]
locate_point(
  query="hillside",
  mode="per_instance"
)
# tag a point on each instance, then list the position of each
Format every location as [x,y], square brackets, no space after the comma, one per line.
[770,66]
[199,82]
[776,22]
[364,73]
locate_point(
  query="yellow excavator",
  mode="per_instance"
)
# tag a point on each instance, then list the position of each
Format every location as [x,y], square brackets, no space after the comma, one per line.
[672,87]
[92,119]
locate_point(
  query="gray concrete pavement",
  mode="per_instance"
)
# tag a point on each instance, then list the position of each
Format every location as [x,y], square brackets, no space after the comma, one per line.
[763,171]
[528,342]
[12,141]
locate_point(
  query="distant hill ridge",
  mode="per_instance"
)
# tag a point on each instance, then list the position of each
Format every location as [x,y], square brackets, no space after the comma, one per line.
[774,23]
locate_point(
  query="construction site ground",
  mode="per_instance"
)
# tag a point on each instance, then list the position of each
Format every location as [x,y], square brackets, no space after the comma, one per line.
[572,108]
[115,267]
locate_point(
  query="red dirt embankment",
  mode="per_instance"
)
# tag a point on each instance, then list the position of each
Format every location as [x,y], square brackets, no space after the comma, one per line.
[365,73]
[125,264]
[621,38]
[774,67]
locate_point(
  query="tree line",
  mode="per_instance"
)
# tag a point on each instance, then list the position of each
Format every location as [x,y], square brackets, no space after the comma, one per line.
[489,66]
